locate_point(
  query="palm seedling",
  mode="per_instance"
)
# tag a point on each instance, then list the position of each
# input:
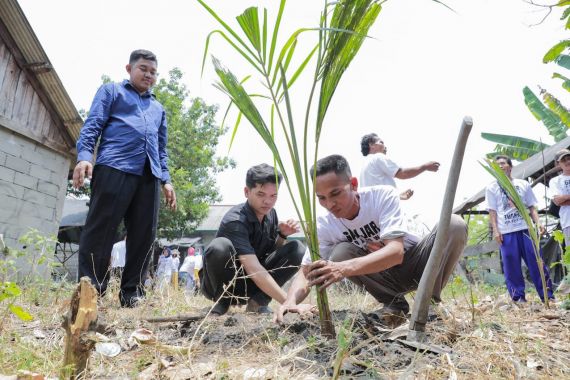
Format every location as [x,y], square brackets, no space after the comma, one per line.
[342,29]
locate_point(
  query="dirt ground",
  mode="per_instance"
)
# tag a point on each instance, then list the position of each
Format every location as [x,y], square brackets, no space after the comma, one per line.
[493,338]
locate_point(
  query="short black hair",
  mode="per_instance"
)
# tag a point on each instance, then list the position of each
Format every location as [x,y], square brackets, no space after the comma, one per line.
[366,141]
[333,163]
[144,54]
[506,158]
[262,174]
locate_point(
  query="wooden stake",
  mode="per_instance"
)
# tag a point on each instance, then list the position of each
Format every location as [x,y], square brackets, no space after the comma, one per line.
[81,318]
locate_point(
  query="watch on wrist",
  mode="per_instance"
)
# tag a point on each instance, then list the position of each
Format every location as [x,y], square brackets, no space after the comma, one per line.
[281,235]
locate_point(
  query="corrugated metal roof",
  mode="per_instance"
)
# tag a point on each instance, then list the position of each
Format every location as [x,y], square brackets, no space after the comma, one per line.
[37,63]
[214,218]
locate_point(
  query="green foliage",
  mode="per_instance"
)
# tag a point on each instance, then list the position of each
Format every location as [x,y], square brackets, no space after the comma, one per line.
[548,110]
[344,340]
[477,229]
[192,141]
[343,28]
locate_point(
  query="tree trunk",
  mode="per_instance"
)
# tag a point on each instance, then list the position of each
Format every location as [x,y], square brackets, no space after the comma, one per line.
[81,318]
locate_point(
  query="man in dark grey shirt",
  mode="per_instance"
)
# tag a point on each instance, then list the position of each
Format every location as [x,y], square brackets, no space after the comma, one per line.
[250,258]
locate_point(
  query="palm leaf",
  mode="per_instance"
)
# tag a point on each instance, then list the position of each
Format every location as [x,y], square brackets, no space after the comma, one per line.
[243,53]
[292,40]
[274,37]
[227,27]
[551,121]
[356,16]
[249,22]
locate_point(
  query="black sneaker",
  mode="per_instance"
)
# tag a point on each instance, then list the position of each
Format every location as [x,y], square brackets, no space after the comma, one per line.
[221,307]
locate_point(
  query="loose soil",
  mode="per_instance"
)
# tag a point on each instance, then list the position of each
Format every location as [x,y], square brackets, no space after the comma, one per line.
[495,338]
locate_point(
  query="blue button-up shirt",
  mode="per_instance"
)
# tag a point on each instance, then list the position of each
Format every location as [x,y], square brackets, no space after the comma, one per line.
[132,127]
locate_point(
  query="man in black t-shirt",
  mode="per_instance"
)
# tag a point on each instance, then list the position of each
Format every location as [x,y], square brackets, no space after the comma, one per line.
[250,258]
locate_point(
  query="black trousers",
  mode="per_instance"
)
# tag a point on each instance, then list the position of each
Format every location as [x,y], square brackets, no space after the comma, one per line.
[221,268]
[116,195]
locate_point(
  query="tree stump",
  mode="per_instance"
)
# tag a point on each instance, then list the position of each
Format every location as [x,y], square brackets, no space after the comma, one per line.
[80,319]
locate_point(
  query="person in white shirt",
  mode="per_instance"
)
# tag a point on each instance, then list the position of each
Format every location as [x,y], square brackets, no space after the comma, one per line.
[560,189]
[118,254]
[511,232]
[187,270]
[165,268]
[175,260]
[380,170]
[364,238]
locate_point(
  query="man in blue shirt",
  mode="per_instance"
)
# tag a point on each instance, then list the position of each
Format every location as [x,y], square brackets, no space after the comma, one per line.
[131,165]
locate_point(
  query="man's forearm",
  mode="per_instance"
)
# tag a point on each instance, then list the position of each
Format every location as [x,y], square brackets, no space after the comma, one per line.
[407,173]
[299,289]
[390,255]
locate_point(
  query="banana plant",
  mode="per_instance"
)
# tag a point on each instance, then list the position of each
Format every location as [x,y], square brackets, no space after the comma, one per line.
[549,110]
[492,168]
[342,29]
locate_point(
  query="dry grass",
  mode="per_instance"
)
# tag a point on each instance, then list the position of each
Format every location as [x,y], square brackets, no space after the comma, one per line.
[492,339]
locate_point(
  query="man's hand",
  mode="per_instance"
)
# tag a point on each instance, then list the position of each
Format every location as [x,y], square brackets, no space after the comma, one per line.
[82,169]
[498,237]
[431,166]
[289,227]
[541,229]
[305,310]
[324,273]
[405,195]
[169,195]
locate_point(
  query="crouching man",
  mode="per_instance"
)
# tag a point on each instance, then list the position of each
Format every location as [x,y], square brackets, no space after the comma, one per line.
[364,238]
[250,258]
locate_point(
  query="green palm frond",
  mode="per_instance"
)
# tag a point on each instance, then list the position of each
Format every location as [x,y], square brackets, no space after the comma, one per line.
[249,22]
[348,28]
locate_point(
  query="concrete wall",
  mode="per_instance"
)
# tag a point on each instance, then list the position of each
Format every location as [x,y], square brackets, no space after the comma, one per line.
[33,182]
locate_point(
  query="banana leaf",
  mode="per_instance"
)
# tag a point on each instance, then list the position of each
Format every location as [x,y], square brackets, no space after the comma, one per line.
[563,61]
[555,106]
[556,128]
[556,51]
[514,141]
[565,81]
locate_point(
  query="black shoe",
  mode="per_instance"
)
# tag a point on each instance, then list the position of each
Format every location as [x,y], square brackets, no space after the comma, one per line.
[221,307]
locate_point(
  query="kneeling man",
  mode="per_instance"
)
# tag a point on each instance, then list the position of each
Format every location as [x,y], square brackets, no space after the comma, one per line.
[364,238]
[250,258]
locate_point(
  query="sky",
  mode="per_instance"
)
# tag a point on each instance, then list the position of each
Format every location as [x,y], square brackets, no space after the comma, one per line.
[423,70]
